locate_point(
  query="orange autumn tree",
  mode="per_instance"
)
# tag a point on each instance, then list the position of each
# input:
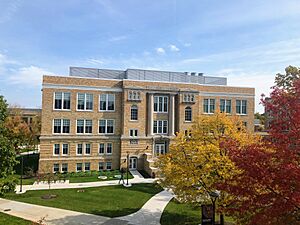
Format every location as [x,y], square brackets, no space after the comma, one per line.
[195,164]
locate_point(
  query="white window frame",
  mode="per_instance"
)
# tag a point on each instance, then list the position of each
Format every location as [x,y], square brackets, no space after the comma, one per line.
[85,103]
[226,101]
[103,148]
[134,132]
[185,111]
[110,165]
[81,167]
[54,167]
[82,148]
[137,112]
[106,101]
[241,107]
[106,127]
[164,99]
[86,148]
[103,164]
[61,169]
[84,126]
[209,103]
[107,148]
[89,166]
[162,126]
[54,149]
[62,101]
[61,127]
[62,147]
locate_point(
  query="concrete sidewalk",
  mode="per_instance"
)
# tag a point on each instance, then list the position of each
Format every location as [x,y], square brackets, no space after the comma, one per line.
[53,216]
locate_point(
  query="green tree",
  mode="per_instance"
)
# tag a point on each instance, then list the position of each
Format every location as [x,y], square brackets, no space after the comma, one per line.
[286,80]
[7,153]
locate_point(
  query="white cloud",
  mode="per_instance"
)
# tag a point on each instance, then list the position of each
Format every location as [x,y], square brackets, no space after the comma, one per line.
[8,10]
[174,48]
[30,75]
[118,38]
[160,51]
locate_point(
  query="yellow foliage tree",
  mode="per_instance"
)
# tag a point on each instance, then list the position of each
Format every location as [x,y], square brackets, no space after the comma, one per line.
[198,161]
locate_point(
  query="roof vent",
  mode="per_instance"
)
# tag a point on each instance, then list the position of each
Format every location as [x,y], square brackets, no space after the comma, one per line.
[193,73]
[200,74]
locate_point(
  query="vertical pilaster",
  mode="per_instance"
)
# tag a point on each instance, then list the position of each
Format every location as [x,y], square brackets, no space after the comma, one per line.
[172,116]
[150,114]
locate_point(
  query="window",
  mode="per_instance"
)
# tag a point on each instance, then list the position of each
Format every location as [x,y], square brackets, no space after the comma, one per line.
[84,101]
[241,107]
[56,149]
[106,126]
[84,126]
[55,168]
[62,100]
[225,105]
[87,149]
[133,132]
[209,105]
[188,114]
[160,126]
[87,166]
[101,166]
[108,165]
[109,148]
[245,124]
[101,148]
[160,104]
[189,98]
[79,149]
[78,167]
[64,167]
[65,149]
[61,126]
[134,113]
[134,95]
[107,102]
[160,149]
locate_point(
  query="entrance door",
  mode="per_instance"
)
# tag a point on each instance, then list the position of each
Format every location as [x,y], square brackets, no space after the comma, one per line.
[133,163]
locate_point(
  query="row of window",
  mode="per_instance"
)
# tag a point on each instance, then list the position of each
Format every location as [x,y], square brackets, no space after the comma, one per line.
[62,101]
[107,103]
[62,126]
[82,149]
[63,168]
[209,105]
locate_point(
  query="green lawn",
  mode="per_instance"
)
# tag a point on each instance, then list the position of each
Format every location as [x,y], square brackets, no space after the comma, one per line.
[183,214]
[111,201]
[12,220]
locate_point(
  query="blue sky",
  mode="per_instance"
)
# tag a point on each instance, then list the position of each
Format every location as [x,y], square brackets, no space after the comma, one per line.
[246,41]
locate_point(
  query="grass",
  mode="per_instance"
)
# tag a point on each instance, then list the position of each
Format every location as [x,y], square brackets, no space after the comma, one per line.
[12,220]
[111,201]
[184,214]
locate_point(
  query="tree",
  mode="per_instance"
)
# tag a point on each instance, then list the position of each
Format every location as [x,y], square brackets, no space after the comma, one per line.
[7,153]
[286,80]
[267,191]
[195,164]
[18,130]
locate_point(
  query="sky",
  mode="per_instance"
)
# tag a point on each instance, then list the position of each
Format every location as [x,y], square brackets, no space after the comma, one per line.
[248,42]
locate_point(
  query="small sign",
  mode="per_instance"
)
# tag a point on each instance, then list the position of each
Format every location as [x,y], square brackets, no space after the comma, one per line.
[207,214]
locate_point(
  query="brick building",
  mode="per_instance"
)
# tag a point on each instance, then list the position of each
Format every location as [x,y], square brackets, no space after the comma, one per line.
[93,118]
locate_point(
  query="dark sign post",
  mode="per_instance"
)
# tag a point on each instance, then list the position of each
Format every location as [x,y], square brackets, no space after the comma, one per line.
[207,215]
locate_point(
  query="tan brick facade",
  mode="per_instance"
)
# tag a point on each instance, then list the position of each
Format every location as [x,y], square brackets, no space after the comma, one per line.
[142,148]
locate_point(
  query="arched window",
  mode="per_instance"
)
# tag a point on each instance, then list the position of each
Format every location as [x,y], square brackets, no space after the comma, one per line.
[188,114]
[134,113]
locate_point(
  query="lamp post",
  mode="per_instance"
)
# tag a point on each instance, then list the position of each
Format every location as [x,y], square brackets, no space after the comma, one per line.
[127,167]
[213,196]
[21,183]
